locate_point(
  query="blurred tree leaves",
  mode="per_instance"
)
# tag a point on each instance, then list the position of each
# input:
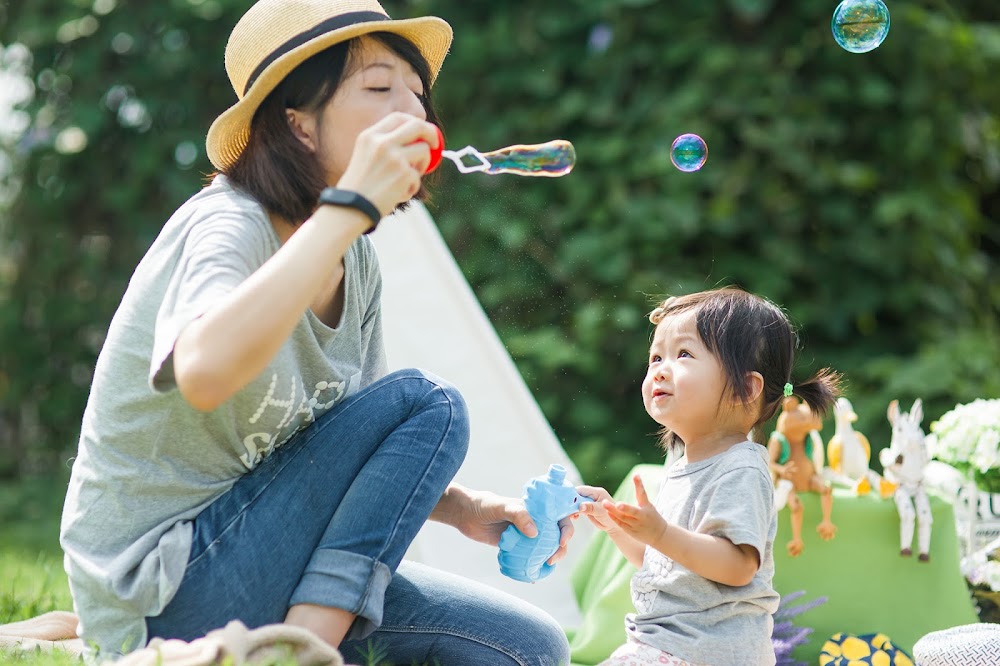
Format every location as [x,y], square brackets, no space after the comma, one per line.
[861,192]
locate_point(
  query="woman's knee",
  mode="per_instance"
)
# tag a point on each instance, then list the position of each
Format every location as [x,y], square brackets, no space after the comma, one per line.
[546,645]
[422,381]
[529,637]
[551,645]
[438,615]
[524,640]
[426,390]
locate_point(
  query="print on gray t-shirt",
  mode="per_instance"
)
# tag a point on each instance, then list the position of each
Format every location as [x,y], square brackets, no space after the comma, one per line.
[147,462]
[698,620]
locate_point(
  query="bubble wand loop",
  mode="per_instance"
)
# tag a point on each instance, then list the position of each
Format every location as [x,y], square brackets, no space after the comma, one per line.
[550,159]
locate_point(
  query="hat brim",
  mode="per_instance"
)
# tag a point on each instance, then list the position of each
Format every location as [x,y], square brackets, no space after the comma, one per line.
[228,135]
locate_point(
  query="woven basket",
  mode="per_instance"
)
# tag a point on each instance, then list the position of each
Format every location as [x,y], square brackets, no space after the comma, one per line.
[967,645]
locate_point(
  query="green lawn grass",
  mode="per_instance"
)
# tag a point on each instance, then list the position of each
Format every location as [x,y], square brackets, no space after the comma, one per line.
[32,579]
[32,584]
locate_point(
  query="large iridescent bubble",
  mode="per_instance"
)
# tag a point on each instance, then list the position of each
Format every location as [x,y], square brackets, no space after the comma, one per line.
[555,158]
[552,159]
[860,26]
[689,152]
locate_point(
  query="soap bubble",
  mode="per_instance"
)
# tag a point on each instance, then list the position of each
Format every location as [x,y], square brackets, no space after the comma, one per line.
[860,26]
[554,158]
[689,152]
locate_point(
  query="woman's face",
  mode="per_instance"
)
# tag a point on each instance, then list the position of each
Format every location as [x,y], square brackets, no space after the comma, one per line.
[376,82]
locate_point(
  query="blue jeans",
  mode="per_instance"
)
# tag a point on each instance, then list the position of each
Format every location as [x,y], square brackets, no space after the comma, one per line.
[326,519]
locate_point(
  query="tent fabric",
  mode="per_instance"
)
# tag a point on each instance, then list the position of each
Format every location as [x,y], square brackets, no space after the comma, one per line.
[432,320]
[869,586]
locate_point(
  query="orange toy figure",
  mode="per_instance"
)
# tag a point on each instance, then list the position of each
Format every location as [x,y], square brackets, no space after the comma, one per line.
[796,453]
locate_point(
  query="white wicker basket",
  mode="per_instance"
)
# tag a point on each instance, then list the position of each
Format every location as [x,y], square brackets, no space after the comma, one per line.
[967,645]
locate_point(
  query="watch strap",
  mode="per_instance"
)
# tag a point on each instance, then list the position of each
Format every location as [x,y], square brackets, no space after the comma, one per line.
[332,196]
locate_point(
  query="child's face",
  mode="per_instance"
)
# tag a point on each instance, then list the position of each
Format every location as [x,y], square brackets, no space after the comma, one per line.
[684,382]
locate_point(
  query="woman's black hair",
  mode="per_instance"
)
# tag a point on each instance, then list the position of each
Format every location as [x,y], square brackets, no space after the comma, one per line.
[275,168]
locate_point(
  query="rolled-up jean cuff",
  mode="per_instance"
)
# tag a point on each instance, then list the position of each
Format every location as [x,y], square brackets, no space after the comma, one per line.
[352,582]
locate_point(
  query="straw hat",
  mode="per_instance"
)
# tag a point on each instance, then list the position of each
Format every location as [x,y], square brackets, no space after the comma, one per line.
[275,36]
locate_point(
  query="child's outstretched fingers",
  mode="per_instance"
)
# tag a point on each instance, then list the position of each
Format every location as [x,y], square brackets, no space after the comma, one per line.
[640,491]
[623,514]
[597,514]
[611,511]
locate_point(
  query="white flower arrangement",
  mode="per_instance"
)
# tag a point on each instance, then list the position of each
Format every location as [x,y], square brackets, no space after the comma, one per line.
[982,570]
[979,569]
[968,437]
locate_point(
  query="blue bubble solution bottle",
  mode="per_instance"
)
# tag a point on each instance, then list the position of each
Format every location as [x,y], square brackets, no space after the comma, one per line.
[549,499]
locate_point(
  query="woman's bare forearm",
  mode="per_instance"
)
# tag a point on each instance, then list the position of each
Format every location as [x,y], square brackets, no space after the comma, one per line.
[223,350]
[449,508]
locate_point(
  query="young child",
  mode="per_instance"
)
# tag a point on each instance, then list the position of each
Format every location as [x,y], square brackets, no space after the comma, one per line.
[719,366]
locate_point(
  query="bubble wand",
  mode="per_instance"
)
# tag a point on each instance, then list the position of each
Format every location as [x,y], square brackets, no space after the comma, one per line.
[550,159]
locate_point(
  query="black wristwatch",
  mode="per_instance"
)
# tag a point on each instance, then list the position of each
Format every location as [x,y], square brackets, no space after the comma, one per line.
[331,196]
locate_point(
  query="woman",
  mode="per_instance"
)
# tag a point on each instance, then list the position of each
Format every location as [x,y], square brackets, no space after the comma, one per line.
[243,454]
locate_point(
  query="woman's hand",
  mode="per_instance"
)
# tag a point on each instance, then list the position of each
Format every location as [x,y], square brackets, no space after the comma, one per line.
[389,159]
[643,522]
[486,515]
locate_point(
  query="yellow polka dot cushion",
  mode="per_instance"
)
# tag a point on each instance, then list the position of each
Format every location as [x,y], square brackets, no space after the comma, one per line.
[865,650]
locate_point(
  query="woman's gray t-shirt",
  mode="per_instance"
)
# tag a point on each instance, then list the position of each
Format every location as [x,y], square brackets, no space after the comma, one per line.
[148,463]
[693,618]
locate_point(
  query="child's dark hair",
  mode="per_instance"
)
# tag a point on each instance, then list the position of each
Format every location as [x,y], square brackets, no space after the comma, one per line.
[748,333]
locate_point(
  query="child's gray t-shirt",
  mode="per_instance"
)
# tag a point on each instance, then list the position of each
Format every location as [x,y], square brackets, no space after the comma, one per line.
[148,463]
[698,620]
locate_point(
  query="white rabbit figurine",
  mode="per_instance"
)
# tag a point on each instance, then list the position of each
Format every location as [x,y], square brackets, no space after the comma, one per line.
[904,462]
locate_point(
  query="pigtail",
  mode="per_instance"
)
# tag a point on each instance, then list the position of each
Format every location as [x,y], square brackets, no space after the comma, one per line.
[656,316]
[820,391]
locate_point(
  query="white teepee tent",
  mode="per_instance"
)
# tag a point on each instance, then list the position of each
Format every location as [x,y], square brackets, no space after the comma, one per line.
[432,320]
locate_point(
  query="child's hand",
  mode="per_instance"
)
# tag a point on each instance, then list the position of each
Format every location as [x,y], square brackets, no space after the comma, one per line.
[595,510]
[643,522]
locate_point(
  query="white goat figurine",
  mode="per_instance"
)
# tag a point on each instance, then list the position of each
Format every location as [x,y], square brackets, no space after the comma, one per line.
[904,462]
[848,455]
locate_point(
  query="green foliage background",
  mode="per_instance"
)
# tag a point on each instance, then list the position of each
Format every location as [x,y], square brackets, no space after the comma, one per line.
[861,192]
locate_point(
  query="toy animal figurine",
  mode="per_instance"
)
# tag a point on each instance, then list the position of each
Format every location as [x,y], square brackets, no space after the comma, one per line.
[848,454]
[796,453]
[548,499]
[904,462]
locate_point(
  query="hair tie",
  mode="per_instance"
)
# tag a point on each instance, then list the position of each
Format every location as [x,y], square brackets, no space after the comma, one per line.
[788,390]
